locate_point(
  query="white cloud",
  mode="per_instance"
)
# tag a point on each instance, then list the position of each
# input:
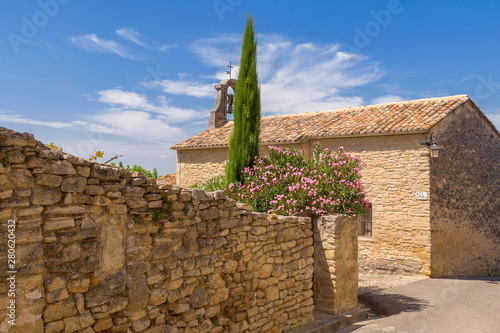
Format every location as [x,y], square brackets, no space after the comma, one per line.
[137,38]
[132,35]
[293,77]
[387,99]
[13,118]
[310,77]
[92,42]
[217,52]
[132,101]
[140,125]
[125,99]
[187,88]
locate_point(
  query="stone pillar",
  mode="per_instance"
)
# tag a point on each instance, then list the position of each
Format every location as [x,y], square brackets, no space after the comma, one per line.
[335,264]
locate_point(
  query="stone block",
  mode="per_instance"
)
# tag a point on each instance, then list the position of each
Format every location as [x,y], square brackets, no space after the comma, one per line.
[33,162]
[12,138]
[137,292]
[158,297]
[137,203]
[59,223]
[141,325]
[83,171]
[137,181]
[100,201]
[199,298]
[54,327]
[98,295]
[59,310]
[64,210]
[48,180]
[75,160]
[78,236]
[43,196]
[94,190]
[21,178]
[117,304]
[60,168]
[210,213]
[113,249]
[78,285]
[132,191]
[103,324]
[79,303]
[14,203]
[106,173]
[73,184]
[54,283]
[78,323]
[5,194]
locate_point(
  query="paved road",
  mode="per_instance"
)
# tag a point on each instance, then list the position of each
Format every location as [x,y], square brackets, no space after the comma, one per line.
[435,306]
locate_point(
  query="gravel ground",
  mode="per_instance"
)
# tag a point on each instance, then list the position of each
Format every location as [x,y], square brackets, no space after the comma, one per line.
[373,283]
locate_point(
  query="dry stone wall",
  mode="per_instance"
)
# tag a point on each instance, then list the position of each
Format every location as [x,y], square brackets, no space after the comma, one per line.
[335,264]
[100,249]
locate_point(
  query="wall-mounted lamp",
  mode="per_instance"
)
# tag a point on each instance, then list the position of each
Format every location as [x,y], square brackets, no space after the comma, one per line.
[433,146]
[435,150]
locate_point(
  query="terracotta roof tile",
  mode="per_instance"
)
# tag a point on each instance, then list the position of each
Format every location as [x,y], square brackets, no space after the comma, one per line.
[169,178]
[409,116]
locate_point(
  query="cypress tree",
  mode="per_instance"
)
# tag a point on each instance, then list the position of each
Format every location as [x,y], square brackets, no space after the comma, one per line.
[244,142]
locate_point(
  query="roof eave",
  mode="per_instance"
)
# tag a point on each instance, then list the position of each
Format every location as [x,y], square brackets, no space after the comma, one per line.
[309,138]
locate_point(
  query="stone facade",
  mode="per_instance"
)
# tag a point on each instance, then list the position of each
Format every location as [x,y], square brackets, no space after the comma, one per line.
[465,201]
[396,168]
[455,231]
[197,165]
[100,249]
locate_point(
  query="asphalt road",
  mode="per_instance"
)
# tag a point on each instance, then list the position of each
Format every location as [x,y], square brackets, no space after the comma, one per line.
[465,305]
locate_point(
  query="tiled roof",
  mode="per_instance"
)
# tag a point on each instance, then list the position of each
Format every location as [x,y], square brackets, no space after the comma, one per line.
[400,117]
[169,178]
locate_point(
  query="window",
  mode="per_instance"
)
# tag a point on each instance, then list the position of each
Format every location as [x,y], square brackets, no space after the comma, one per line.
[365,224]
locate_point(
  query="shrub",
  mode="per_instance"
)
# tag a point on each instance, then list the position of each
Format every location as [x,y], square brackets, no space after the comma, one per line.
[286,183]
[212,184]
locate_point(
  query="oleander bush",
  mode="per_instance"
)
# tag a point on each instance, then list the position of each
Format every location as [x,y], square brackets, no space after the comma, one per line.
[285,183]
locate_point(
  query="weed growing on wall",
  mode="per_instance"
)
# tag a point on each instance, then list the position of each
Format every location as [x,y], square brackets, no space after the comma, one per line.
[285,182]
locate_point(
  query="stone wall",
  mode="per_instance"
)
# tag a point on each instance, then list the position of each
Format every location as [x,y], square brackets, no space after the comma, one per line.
[335,264]
[465,201]
[100,249]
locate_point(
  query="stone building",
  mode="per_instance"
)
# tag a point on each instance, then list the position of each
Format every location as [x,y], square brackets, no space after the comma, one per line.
[436,216]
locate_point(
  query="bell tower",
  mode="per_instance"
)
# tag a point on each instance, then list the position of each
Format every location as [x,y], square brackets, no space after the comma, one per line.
[223,101]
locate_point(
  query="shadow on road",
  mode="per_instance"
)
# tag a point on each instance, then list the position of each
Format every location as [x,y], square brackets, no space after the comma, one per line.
[386,304]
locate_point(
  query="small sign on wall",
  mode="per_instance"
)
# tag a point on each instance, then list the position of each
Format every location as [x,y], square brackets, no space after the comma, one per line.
[422,196]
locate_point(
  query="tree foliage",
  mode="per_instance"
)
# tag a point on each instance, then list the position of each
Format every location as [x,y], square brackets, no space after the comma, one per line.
[244,142]
[138,168]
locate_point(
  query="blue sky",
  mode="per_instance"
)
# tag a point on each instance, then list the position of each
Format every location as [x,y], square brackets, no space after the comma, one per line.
[136,77]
